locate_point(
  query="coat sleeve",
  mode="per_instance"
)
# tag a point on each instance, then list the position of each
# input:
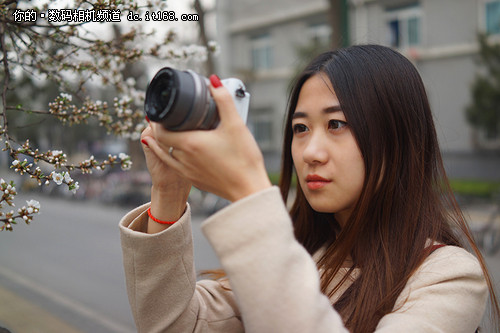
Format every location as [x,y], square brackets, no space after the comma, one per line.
[276,281]
[274,278]
[161,281]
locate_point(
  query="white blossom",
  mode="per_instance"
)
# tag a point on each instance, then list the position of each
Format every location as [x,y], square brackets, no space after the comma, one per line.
[83,58]
[67,178]
[75,187]
[67,96]
[130,82]
[214,47]
[57,178]
[126,165]
[123,156]
[135,136]
[33,203]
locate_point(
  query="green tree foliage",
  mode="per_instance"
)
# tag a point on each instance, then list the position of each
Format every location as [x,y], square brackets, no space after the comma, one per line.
[484,111]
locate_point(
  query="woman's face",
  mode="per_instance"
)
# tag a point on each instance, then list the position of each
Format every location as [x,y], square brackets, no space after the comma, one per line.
[325,154]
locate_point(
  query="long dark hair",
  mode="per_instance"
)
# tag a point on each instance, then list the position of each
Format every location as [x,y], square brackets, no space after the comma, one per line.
[406,199]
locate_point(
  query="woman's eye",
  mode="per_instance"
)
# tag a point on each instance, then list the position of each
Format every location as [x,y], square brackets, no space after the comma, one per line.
[299,128]
[336,124]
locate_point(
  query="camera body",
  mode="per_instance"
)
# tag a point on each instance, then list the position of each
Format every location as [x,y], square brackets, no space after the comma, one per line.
[181,100]
[241,97]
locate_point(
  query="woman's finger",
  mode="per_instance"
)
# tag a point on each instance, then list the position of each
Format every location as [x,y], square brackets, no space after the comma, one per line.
[166,156]
[166,139]
[225,104]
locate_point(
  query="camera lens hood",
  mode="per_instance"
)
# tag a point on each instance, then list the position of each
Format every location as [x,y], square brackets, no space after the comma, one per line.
[180,100]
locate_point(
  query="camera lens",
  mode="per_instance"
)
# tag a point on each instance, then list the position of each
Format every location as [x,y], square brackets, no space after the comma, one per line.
[181,101]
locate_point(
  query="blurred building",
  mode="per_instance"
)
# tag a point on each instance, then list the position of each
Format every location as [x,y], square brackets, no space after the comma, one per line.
[262,42]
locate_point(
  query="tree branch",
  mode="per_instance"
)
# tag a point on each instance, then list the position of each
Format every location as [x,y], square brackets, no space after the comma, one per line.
[210,67]
[6,79]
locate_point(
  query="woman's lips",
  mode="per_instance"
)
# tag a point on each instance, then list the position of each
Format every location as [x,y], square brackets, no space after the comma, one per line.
[315,182]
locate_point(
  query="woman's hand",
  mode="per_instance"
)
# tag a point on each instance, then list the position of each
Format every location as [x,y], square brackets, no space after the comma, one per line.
[163,177]
[170,190]
[225,161]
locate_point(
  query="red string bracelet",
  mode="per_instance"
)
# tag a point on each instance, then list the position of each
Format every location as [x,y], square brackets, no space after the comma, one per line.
[158,221]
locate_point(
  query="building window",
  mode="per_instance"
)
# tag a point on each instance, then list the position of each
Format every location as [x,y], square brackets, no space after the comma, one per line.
[261,126]
[262,52]
[320,33]
[492,17]
[404,26]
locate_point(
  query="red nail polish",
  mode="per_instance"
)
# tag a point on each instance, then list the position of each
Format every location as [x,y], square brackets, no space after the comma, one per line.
[145,142]
[215,81]
[147,119]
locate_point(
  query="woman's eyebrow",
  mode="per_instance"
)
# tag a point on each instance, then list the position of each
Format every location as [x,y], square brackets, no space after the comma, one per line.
[330,109]
[298,114]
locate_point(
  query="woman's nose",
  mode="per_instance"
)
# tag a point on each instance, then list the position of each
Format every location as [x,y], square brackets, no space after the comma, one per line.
[315,151]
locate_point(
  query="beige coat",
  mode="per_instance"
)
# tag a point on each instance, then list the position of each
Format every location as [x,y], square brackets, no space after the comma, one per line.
[274,281]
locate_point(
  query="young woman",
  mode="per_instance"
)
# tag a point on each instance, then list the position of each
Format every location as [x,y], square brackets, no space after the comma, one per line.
[374,241]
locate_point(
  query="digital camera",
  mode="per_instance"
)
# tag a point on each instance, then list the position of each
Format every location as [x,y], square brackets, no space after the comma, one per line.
[181,100]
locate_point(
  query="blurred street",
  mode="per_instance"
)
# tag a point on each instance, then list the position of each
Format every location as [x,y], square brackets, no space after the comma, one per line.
[63,273]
